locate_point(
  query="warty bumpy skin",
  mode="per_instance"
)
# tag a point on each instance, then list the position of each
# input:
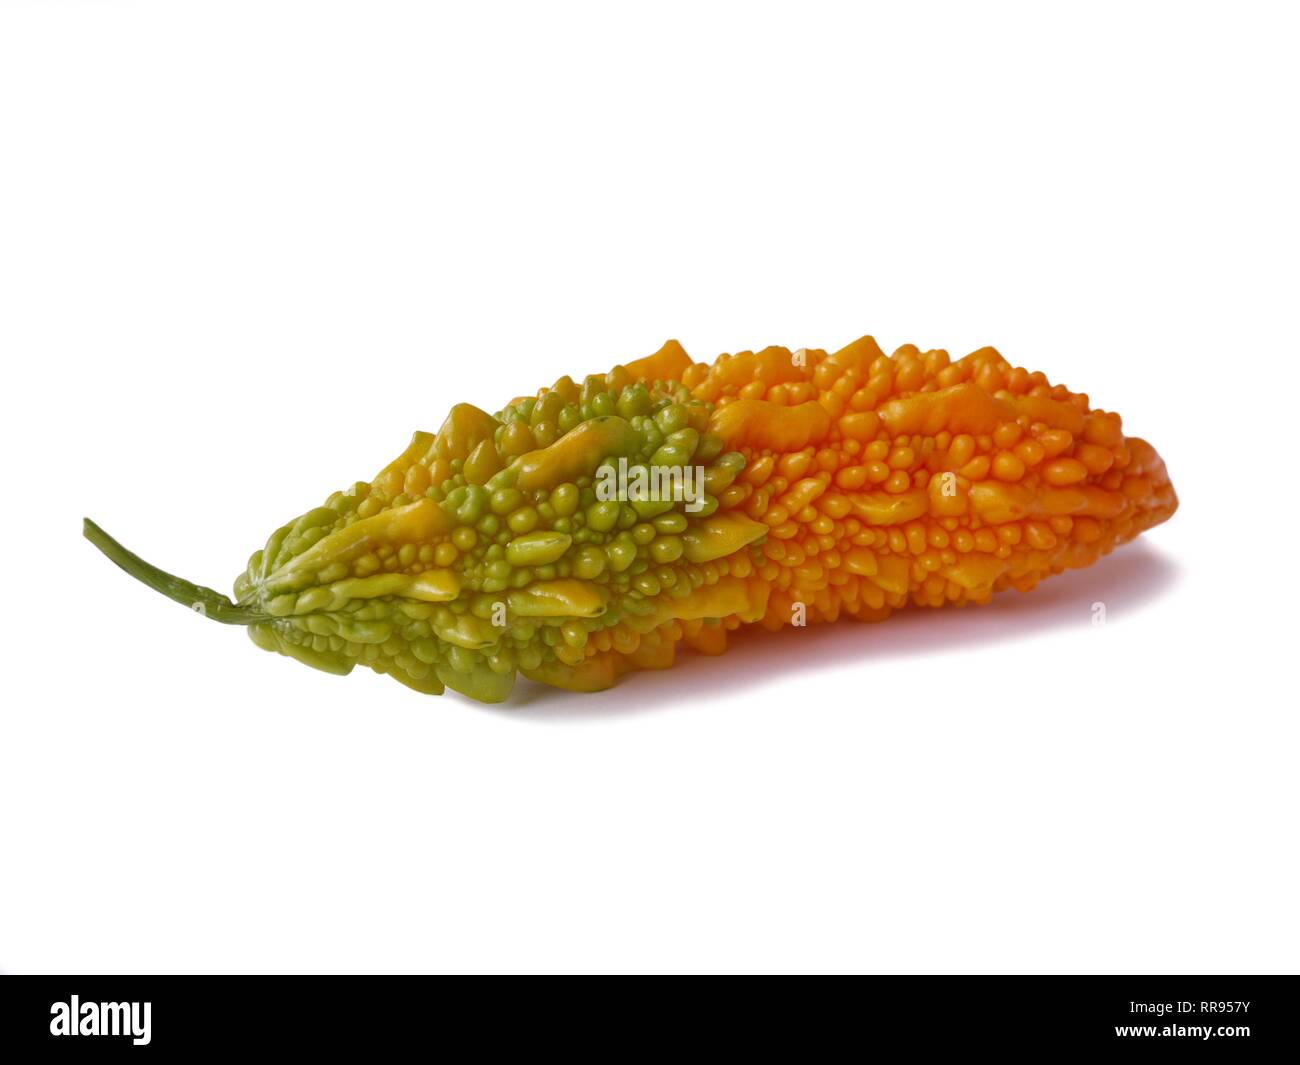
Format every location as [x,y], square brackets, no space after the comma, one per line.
[836,484]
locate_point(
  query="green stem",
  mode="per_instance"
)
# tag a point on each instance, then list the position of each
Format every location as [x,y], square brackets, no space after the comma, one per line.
[199,599]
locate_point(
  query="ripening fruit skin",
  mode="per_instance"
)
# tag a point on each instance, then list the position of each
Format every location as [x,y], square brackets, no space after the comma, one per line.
[767,488]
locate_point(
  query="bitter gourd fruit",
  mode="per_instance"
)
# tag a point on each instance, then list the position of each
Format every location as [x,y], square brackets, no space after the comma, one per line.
[593,528]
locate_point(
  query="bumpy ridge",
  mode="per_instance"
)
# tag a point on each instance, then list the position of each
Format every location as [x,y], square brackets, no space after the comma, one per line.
[846,483]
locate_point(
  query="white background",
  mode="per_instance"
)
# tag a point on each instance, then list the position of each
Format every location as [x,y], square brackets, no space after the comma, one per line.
[247,248]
